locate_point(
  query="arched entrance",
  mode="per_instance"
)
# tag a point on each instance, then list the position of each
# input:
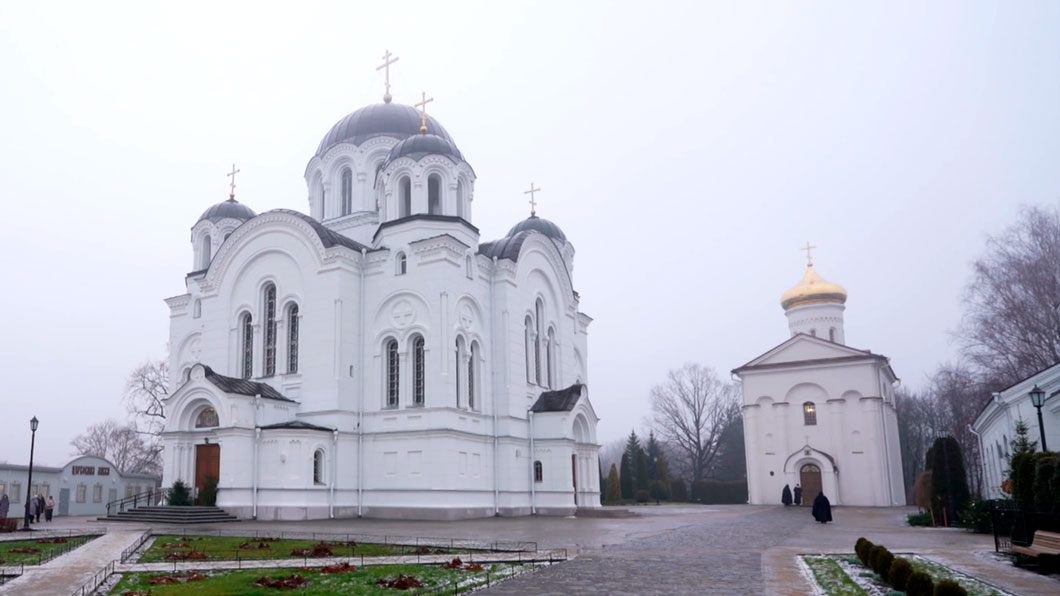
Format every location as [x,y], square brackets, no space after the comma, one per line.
[810,479]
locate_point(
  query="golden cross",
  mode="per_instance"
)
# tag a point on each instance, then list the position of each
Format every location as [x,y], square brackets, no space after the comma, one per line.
[232,184]
[533,203]
[809,255]
[423,114]
[386,65]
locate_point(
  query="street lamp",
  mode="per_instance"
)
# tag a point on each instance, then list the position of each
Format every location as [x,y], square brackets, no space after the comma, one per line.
[29,484]
[1037,399]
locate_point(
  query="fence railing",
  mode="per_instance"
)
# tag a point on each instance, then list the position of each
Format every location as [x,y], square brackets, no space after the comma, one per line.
[1013,524]
[97,580]
[153,497]
[10,572]
[129,552]
[49,551]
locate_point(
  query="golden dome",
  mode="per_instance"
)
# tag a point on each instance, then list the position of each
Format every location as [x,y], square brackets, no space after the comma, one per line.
[813,289]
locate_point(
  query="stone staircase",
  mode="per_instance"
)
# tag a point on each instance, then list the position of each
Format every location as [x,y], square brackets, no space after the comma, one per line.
[194,514]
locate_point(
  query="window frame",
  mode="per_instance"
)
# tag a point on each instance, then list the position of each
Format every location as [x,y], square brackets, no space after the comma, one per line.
[246,324]
[809,413]
[419,371]
[393,373]
[268,336]
[320,467]
[539,471]
[346,187]
[292,338]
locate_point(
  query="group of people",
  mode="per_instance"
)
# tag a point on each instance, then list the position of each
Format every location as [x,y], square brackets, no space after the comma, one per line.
[822,507]
[38,506]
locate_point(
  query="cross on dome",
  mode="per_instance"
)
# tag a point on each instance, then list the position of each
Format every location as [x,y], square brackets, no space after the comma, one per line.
[386,66]
[809,255]
[423,110]
[232,183]
[533,203]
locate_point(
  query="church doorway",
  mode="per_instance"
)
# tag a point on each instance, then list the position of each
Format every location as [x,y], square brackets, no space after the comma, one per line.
[810,479]
[207,463]
[574,476]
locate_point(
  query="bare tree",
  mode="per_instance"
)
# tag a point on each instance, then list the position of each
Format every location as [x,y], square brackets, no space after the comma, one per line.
[1011,327]
[917,422]
[690,411]
[130,450]
[960,393]
[145,393]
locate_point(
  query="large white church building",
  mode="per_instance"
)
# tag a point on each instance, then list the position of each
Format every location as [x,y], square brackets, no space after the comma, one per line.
[374,357]
[819,413]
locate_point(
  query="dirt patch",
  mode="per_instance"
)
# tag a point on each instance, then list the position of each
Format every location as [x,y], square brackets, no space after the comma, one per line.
[320,550]
[401,582]
[290,582]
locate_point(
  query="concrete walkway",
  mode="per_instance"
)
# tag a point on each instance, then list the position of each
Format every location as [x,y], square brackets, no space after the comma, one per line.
[62,575]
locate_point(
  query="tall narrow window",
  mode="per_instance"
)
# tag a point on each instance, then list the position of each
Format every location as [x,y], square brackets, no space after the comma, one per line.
[461,371]
[347,191]
[550,364]
[292,338]
[809,414]
[471,375]
[318,467]
[539,474]
[540,312]
[393,369]
[831,334]
[196,309]
[418,370]
[434,194]
[469,267]
[405,197]
[401,264]
[460,198]
[204,252]
[269,317]
[529,341]
[247,331]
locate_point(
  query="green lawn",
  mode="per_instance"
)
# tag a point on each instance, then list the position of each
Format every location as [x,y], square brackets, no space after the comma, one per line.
[47,551]
[831,577]
[835,581]
[219,548]
[361,582]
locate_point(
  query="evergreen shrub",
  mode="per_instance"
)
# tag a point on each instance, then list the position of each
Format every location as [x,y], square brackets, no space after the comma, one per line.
[1042,485]
[1022,471]
[948,587]
[208,494]
[679,490]
[874,555]
[919,519]
[641,496]
[898,574]
[714,492]
[920,584]
[861,548]
[977,517]
[179,495]
[883,564]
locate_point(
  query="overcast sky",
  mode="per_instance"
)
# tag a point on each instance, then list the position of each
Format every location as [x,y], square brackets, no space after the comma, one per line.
[687,150]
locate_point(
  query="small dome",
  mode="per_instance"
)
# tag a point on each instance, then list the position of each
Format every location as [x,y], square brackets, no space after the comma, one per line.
[230,209]
[813,289]
[421,145]
[538,224]
[379,120]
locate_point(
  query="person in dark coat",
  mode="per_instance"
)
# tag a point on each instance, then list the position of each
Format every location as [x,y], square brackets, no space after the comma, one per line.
[785,497]
[40,507]
[822,509]
[798,494]
[5,506]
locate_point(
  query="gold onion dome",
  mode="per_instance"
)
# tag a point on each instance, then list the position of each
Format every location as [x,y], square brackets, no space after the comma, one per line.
[813,289]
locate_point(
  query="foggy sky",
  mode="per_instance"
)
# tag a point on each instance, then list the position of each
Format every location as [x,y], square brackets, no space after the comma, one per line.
[687,150]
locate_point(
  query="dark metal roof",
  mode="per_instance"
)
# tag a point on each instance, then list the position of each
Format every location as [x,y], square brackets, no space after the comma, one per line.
[425,217]
[242,386]
[379,120]
[297,425]
[538,224]
[228,209]
[505,248]
[328,237]
[419,146]
[561,400]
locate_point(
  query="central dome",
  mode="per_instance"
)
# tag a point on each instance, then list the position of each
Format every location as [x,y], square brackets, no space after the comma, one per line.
[538,224]
[813,289]
[421,145]
[379,120]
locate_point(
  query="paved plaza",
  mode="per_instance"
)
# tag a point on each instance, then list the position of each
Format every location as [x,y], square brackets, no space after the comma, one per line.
[731,549]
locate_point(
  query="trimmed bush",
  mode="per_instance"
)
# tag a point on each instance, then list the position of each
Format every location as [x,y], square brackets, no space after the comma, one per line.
[919,519]
[1041,486]
[179,495]
[874,555]
[641,496]
[861,547]
[898,574]
[920,584]
[883,564]
[208,494]
[948,587]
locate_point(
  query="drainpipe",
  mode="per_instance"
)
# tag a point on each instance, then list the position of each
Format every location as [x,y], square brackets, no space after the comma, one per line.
[360,398]
[979,439]
[493,378]
[533,491]
[334,471]
[254,473]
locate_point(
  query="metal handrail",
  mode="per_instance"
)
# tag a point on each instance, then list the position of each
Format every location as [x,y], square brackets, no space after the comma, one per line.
[156,496]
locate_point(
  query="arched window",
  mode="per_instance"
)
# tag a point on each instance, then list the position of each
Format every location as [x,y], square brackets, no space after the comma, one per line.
[813,332]
[460,198]
[468,267]
[539,473]
[292,338]
[418,371]
[809,414]
[401,264]
[269,317]
[529,340]
[550,364]
[404,197]
[207,419]
[393,369]
[347,191]
[831,334]
[204,252]
[196,309]
[539,310]
[471,375]
[461,371]
[247,333]
[318,467]
[434,194]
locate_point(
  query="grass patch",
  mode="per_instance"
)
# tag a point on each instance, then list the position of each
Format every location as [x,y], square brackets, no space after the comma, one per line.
[360,582]
[939,572]
[227,548]
[47,550]
[831,577]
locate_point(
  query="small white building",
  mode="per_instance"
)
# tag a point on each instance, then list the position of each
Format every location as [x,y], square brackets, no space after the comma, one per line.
[819,413]
[83,486]
[375,357]
[995,425]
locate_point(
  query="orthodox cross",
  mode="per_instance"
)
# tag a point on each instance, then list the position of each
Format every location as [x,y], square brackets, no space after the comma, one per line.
[423,113]
[386,65]
[533,203]
[232,184]
[809,255]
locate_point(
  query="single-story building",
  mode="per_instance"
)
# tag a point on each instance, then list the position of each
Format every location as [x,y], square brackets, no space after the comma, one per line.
[83,486]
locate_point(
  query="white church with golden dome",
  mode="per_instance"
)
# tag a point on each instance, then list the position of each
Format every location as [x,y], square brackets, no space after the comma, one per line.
[819,413]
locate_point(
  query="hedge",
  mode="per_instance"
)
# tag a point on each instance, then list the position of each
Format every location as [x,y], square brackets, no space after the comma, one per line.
[716,492]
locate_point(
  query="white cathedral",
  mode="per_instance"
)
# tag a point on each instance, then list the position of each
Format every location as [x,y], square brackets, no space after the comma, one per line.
[819,413]
[374,358]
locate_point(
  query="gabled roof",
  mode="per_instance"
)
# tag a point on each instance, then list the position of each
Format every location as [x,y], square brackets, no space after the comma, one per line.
[801,349]
[242,386]
[328,237]
[297,425]
[561,400]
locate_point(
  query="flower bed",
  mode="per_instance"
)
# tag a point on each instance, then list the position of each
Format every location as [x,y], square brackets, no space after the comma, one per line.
[230,548]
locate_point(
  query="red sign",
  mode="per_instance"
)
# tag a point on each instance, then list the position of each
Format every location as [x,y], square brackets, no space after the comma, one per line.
[103,471]
[83,471]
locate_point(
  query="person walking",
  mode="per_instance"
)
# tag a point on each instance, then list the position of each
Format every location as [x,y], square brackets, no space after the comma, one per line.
[785,495]
[31,510]
[5,507]
[798,494]
[40,506]
[822,509]
[49,506]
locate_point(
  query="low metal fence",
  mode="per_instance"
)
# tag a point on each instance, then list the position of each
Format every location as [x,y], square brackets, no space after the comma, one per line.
[97,580]
[1012,524]
[129,552]
[10,572]
[49,551]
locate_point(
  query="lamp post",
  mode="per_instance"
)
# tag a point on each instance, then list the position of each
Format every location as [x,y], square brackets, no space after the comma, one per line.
[29,484]
[1038,399]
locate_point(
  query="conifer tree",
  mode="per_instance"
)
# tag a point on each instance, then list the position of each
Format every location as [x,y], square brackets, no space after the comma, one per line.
[614,489]
[626,478]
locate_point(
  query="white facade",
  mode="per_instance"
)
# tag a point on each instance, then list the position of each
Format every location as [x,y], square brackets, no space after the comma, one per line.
[83,486]
[374,358]
[996,425]
[819,413]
